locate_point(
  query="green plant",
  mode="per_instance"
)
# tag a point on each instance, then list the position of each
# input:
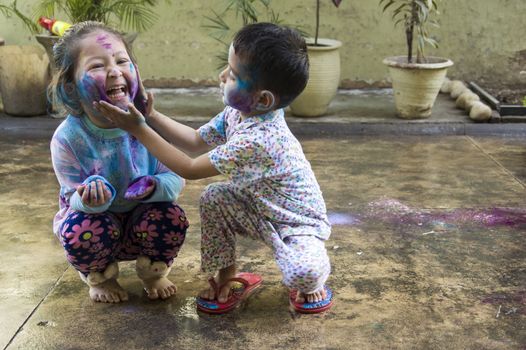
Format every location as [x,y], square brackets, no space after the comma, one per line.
[416,15]
[524,101]
[9,10]
[137,15]
[336,3]
[248,11]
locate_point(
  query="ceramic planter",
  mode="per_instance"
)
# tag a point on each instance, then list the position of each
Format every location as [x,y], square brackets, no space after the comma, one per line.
[416,85]
[24,75]
[324,78]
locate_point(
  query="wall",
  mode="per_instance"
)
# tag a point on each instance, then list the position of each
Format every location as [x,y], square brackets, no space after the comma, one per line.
[485,39]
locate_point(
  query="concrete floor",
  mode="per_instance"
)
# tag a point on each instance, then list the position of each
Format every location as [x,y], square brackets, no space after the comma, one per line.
[428,252]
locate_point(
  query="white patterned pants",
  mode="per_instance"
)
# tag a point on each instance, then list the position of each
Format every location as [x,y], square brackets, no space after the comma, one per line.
[302,259]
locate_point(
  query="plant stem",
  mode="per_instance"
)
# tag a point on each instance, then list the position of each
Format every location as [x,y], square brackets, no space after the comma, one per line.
[317,22]
[409,30]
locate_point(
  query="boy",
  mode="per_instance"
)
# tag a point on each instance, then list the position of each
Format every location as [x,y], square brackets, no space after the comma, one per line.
[272,194]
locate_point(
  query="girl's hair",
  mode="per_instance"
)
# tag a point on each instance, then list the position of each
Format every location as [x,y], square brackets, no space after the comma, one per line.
[66,52]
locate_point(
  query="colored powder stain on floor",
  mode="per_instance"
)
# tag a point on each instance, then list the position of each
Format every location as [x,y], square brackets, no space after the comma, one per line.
[509,303]
[393,211]
[341,219]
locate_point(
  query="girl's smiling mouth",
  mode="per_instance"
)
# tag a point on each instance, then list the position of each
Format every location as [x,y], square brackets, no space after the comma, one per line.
[117,93]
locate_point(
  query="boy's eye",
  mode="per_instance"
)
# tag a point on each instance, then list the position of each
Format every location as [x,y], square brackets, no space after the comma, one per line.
[122,61]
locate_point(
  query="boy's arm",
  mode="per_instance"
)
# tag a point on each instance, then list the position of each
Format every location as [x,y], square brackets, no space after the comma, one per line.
[180,135]
[133,122]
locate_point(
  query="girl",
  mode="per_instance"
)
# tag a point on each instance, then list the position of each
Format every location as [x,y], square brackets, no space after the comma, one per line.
[272,194]
[116,200]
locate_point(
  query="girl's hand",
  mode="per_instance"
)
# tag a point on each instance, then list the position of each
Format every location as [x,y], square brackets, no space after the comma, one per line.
[94,194]
[141,188]
[130,120]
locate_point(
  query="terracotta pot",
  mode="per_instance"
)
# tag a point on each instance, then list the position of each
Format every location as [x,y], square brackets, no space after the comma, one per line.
[416,85]
[24,75]
[324,78]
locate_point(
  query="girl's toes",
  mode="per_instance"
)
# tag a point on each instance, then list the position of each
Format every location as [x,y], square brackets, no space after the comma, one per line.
[152,294]
[164,294]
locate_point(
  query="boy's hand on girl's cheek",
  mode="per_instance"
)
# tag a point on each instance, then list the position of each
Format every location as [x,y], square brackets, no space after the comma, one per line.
[140,188]
[126,120]
[94,193]
[149,104]
[143,100]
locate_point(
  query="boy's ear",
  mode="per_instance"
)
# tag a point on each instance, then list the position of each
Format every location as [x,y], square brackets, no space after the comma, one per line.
[266,101]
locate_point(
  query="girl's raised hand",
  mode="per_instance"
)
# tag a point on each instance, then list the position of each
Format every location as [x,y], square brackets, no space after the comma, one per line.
[127,120]
[94,194]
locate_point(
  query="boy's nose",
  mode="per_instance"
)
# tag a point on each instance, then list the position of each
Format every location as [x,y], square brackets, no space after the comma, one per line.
[222,75]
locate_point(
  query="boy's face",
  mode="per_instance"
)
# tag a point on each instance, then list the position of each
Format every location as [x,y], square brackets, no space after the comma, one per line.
[236,85]
[104,71]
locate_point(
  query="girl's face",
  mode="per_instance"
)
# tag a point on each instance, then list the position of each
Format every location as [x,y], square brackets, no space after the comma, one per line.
[104,71]
[236,85]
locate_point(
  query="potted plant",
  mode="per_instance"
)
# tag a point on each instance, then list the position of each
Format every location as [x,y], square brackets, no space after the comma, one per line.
[324,73]
[23,73]
[416,80]
[249,11]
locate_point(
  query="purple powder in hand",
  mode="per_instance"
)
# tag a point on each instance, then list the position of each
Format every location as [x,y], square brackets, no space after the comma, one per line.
[139,187]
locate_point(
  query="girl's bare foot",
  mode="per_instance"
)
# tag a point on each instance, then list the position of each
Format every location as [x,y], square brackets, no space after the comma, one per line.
[108,291]
[315,297]
[221,279]
[103,286]
[159,288]
[154,278]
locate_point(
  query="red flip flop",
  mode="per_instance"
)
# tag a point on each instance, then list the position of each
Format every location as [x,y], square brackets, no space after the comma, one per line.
[248,283]
[311,308]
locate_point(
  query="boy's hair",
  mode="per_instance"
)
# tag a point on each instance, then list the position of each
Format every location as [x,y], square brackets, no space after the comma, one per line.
[65,54]
[277,59]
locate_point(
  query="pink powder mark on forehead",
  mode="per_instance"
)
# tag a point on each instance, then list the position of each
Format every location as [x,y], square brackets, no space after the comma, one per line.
[102,39]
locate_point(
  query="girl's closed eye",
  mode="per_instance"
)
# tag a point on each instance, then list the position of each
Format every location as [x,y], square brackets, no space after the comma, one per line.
[95,66]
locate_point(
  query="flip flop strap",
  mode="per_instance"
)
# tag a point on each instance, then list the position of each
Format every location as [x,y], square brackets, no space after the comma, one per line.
[217,288]
[214,286]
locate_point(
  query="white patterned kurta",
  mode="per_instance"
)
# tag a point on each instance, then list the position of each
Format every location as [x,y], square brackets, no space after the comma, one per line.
[272,195]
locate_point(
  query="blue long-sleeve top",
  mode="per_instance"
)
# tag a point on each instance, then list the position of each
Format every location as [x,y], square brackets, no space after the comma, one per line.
[82,152]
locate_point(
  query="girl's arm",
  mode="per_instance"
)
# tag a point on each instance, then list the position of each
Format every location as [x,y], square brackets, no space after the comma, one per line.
[92,194]
[133,122]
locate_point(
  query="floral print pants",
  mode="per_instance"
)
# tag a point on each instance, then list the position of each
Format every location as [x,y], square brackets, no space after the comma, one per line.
[93,241]
[302,259]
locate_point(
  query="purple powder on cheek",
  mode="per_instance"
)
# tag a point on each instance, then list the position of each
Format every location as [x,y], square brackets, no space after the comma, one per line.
[240,101]
[134,83]
[91,90]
